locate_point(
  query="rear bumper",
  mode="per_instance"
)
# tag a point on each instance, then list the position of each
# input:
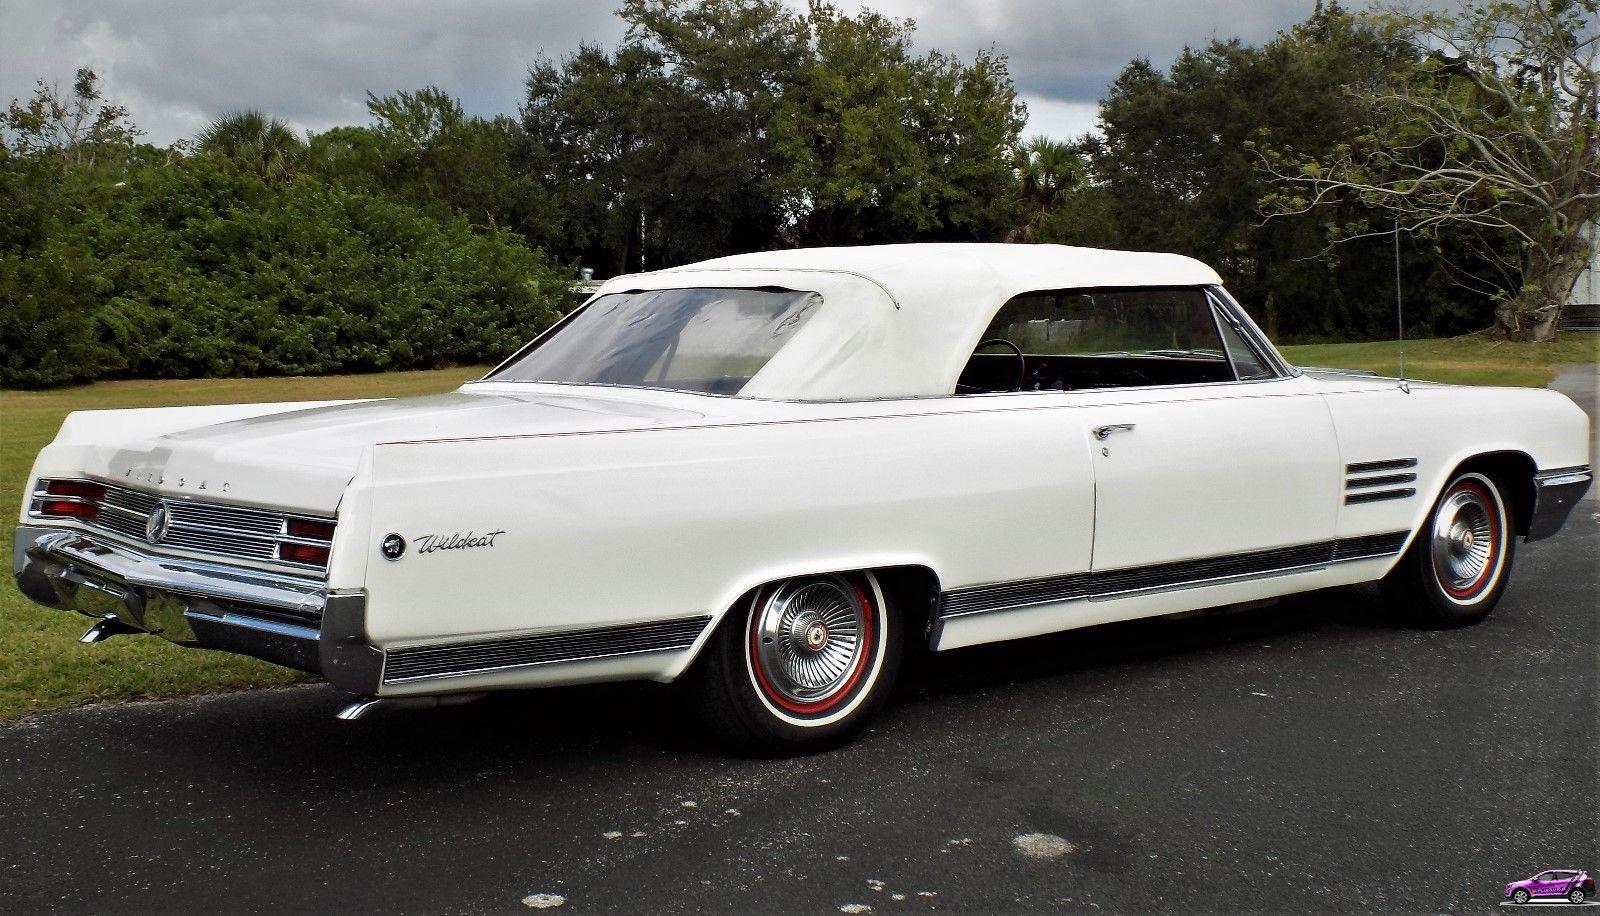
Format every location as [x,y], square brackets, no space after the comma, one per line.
[285,620]
[1555,493]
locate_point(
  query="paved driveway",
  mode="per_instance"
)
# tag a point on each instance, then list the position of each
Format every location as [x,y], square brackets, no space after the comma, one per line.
[1305,757]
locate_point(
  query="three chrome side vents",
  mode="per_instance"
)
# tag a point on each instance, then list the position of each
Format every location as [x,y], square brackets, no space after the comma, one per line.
[1373,481]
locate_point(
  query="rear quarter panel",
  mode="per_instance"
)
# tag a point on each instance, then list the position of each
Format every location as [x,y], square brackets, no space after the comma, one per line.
[608,528]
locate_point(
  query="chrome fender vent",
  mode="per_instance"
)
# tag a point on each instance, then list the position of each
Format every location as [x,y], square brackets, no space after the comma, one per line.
[1375,481]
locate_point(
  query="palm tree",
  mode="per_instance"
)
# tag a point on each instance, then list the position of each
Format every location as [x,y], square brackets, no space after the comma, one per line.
[1047,170]
[254,141]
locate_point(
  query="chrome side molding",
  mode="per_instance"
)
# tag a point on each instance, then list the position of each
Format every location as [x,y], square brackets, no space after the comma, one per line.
[459,659]
[1100,585]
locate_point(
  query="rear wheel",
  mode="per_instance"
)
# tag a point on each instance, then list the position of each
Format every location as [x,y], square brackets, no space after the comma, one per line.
[801,666]
[1576,895]
[1459,563]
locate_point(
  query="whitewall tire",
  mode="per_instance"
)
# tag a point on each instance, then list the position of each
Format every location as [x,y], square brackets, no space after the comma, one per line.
[800,664]
[1460,560]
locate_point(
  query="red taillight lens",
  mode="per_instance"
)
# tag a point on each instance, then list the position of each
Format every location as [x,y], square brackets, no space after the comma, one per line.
[82,489]
[61,508]
[306,528]
[303,553]
[72,499]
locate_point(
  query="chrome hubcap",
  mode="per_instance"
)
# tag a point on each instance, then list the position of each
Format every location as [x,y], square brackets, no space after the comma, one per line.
[1463,539]
[808,635]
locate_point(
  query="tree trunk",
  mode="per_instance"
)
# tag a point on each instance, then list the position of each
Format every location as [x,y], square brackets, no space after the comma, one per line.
[1535,312]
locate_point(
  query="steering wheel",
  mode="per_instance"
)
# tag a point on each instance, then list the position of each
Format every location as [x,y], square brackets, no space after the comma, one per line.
[1022,361]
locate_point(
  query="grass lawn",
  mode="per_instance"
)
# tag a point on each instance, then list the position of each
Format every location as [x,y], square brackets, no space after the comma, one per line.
[43,667]
[1459,360]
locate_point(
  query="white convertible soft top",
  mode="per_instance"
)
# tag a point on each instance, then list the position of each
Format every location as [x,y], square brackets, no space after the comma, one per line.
[901,320]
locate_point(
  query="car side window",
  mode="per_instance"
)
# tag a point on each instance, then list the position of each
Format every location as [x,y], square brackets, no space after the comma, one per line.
[1069,340]
[1248,364]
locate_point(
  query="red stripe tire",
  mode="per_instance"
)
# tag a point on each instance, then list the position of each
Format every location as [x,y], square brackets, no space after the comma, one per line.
[802,664]
[1460,560]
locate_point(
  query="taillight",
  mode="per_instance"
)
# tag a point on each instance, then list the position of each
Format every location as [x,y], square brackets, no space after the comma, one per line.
[78,499]
[309,528]
[303,553]
[80,488]
[60,508]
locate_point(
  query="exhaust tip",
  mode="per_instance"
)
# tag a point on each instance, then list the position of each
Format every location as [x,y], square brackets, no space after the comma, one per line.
[360,706]
[104,630]
[357,708]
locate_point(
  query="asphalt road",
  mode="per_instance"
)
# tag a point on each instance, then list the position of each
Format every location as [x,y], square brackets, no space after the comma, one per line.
[1304,757]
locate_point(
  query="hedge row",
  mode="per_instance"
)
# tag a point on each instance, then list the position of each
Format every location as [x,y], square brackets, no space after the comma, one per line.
[194,269]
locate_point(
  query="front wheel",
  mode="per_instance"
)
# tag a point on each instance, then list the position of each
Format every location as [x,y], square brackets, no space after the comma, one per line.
[1459,563]
[1519,896]
[801,666]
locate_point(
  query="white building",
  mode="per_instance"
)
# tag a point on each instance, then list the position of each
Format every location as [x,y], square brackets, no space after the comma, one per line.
[1587,290]
[1582,312]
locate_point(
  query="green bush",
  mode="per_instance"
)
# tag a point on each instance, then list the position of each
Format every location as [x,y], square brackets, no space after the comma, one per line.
[196,268]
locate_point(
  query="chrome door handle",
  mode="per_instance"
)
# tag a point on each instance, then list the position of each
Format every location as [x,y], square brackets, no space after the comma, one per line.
[1104,432]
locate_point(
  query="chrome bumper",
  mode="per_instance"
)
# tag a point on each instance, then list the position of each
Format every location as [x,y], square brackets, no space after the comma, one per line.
[1555,493]
[285,620]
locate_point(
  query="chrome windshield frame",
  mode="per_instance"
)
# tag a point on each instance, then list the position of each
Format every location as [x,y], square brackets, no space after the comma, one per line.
[1253,336]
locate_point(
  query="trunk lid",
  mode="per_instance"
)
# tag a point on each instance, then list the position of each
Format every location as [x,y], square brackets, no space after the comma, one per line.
[303,459]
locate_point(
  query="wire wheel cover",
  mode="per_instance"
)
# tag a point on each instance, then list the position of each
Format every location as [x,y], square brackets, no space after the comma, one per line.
[1466,539]
[809,640]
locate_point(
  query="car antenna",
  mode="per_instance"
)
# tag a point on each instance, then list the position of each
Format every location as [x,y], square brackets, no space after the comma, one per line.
[1399,311]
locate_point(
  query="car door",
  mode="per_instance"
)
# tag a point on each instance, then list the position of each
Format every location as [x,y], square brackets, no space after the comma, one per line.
[1544,885]
[1211,459]
[1207,480]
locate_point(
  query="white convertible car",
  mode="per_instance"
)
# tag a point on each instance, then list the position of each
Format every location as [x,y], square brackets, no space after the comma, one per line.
[767,475]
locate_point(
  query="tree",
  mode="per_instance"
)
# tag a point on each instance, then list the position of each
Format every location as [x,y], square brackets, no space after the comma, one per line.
[423,148]
[74,131]
[1497,140]
[660,152]
[1048,171]
[255,142]
[728,64]
[1180,166]
[735,125]
[415,119]
[590,128]
[877,144]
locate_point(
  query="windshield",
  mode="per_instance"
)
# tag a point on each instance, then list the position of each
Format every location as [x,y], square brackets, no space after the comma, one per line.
[708,339]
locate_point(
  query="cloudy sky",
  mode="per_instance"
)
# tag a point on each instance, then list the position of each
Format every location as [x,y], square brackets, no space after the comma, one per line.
[179,63]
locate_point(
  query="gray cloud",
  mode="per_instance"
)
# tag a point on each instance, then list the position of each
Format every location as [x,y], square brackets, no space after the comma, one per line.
[179,63]
[1070,49]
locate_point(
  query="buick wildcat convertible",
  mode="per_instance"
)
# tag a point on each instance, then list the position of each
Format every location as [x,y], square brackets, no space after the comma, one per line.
[768,475]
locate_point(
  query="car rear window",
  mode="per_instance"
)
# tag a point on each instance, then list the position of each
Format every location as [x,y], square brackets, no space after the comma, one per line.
[705,339]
